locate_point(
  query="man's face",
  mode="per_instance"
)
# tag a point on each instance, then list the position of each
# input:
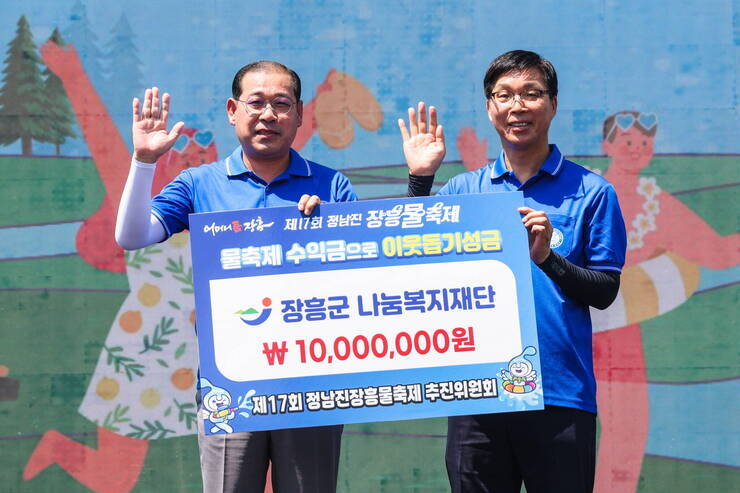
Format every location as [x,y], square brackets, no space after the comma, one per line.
[630,147]
[522,124]
[266,135]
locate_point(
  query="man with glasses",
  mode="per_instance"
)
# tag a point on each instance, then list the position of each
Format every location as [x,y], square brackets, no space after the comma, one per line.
[577,244]
[263,171]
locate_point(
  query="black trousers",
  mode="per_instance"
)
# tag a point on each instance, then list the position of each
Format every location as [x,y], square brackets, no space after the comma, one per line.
[551,451]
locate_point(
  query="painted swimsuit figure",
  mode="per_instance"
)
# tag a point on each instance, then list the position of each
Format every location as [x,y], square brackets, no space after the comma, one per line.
[656,223]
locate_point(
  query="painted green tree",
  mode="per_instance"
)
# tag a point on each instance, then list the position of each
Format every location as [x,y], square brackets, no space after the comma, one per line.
[22,96]
[124,73]
[79,33]
[60,118]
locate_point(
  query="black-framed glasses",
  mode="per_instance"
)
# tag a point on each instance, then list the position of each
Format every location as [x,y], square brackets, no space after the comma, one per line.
[257,106]
[528,96]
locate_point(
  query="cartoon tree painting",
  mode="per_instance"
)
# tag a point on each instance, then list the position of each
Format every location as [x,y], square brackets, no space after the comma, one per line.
[22,96]
[124,72]
[80,34]
[60,118]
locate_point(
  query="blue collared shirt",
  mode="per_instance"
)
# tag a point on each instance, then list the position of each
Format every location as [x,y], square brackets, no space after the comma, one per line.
[588,229]
[228,185]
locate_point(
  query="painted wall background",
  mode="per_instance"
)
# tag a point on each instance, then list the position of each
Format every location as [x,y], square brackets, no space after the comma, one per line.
[96,347]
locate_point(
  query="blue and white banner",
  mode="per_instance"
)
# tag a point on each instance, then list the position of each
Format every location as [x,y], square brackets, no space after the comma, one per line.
[364,311]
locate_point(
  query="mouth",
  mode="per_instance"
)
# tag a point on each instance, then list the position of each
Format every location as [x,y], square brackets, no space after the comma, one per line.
[267,132]
[519,125]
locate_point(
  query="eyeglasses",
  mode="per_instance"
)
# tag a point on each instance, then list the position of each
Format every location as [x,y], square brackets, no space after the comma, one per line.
[257,106]
[528,96]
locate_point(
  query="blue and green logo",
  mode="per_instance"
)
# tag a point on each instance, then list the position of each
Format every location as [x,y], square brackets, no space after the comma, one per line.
[252,316]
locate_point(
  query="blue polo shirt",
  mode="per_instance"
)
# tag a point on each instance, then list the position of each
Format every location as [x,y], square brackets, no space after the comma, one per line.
[588,230]
[228,185]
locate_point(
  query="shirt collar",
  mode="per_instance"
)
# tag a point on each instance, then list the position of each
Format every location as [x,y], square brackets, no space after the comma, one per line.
[551,166]
[298,166]
[498,168]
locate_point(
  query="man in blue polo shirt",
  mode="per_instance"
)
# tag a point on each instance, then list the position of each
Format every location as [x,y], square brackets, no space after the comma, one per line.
[263,171]
[577,244]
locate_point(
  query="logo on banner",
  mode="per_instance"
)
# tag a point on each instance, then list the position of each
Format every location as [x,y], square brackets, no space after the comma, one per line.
[252,316]
[521,377]
[217,406]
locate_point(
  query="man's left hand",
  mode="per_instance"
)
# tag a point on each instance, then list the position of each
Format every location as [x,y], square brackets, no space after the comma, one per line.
[307,203]
[539,230]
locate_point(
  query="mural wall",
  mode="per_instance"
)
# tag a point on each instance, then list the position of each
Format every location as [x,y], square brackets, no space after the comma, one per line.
[97,349]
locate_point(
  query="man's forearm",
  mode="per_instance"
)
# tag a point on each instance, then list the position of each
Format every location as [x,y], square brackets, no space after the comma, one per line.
[420,186]
[587,286]
[135,225]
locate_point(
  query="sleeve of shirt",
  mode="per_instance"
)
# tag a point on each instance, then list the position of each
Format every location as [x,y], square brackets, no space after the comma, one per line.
[342,189]
[173,204]
[420,186]
[607,237]
[597,288]
[448,188]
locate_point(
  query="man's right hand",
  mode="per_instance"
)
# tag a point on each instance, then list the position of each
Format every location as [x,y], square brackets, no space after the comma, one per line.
[150,136]
[423,143]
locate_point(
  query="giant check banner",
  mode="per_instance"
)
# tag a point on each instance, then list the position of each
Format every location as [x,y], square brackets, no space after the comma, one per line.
[364,311]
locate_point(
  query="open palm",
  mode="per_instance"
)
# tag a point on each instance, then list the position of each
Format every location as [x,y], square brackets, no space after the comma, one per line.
[423,143]
[149,127]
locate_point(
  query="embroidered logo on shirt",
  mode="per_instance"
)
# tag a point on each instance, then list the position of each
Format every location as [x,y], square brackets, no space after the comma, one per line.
[557,238]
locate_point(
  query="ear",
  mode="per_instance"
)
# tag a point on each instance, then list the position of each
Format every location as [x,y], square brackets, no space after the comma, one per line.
[554,105]
[231,107]
[299,112]
[488,109]
[607,147]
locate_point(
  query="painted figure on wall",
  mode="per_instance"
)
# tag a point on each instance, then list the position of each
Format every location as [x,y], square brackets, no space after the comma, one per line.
[665,240]
[143,386]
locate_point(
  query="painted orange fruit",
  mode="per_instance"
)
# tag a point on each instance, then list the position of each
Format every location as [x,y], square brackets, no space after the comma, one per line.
[4,371]
[107,388]
[149,294]
[180,239]
[130,321]
[149,398]
[183,378]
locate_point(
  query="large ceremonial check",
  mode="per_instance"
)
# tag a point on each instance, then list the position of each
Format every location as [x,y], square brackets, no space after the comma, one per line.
[364,311]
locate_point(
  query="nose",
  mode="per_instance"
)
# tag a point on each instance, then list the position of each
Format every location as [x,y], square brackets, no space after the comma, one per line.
[268,113]
[517,99]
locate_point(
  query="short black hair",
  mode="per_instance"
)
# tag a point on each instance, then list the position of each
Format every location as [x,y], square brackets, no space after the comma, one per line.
[265,66]
[520,61]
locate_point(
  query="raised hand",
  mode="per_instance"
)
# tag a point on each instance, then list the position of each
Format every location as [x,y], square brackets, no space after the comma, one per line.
[339,99]
[150,136]
[423,143]
[539,231]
